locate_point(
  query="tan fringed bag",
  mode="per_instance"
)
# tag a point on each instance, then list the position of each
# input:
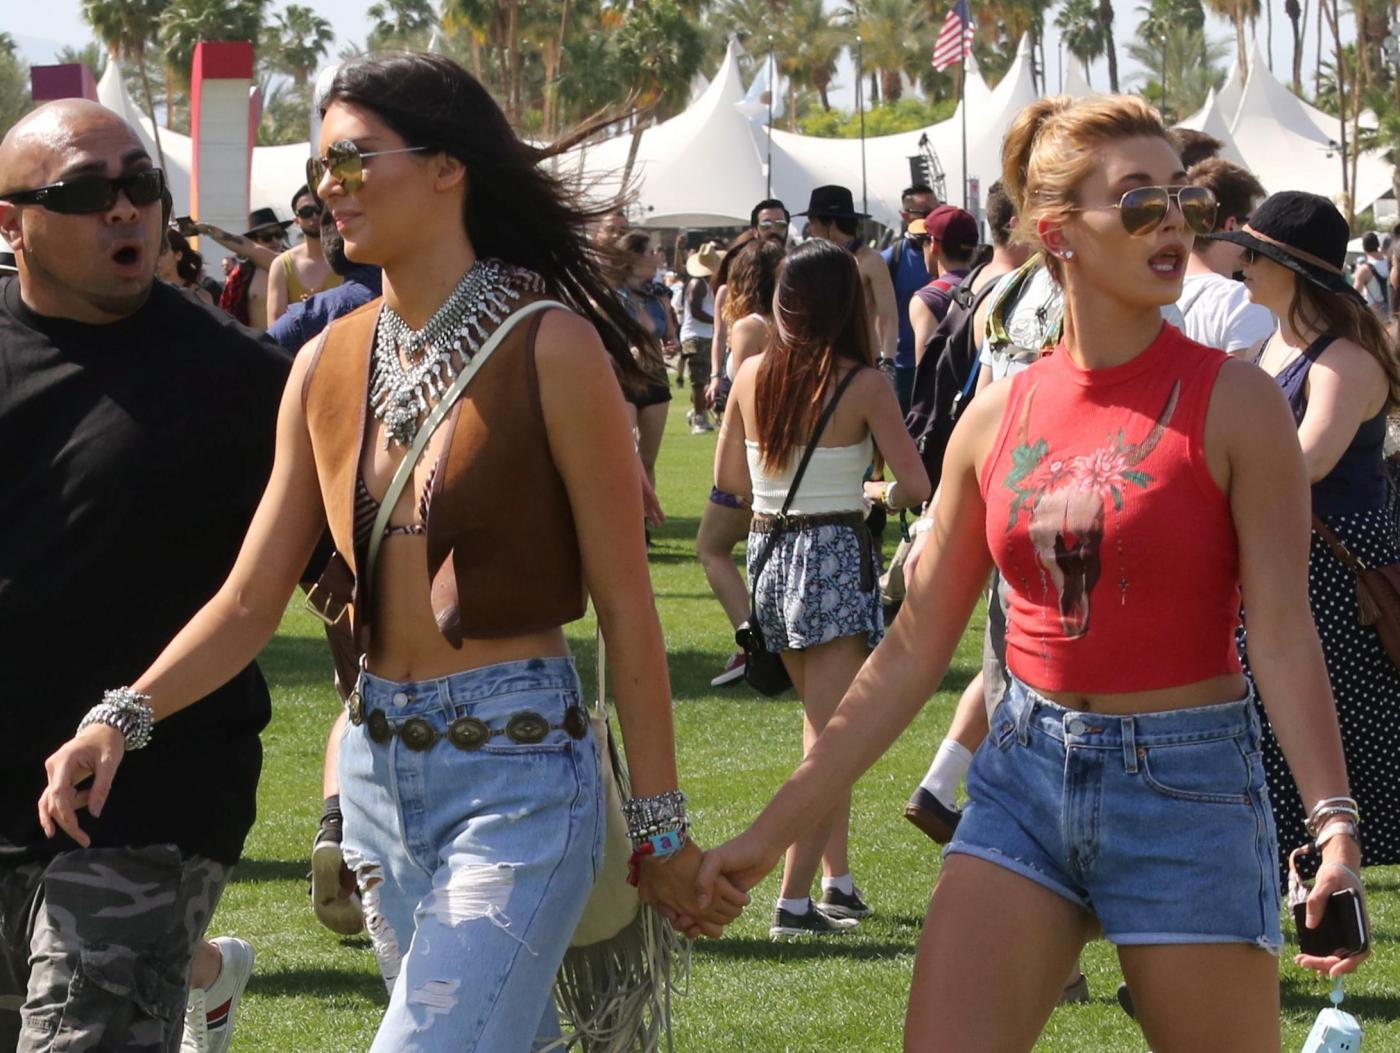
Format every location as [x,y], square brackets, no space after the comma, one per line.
[614,986]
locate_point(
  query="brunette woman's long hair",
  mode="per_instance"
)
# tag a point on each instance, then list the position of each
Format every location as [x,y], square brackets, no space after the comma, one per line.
[752,280]
[721,275]
[1345,316]
[516,210]
[821,321]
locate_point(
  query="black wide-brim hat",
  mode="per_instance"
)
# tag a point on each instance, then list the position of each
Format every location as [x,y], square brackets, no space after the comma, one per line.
[1301,231]
[264,219]
[832,202]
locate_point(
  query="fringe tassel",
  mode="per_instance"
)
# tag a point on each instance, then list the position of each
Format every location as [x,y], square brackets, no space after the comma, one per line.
[615,996]
[1367,610]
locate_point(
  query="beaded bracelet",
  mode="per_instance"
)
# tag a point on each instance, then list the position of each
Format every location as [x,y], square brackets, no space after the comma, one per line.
[1321,816]
[127,711]
[648,816]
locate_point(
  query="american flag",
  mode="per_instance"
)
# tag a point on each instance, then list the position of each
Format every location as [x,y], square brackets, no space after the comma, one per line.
[955,38]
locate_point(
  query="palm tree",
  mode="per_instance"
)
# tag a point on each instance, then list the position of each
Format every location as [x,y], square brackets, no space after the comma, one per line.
[1190,62]
[402,23]
[14,83]
[1078,23]
[894,35]
[90,55]
[658,51]
[298,40]
[185,24]
[127,27]
[1110,48]
[808,50]
[1298,18]
[1238,12]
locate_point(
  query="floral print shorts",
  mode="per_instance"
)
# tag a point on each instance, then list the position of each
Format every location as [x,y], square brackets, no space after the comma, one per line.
[819,584]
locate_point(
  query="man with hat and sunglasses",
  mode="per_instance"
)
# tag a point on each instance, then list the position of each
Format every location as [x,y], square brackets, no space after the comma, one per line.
[245,292]
[302,270]
[831,214]
[147,423]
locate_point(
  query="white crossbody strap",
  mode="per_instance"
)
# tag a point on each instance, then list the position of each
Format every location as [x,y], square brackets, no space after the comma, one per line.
[435,417]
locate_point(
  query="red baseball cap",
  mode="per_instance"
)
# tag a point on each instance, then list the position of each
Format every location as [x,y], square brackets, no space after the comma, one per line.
[952,226]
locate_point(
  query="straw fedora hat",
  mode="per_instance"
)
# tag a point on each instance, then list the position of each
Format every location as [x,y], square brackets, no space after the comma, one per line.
[704,261]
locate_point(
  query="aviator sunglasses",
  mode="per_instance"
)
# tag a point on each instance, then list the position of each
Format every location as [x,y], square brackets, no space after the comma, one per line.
[346,164]
[1143,208]
[92,193]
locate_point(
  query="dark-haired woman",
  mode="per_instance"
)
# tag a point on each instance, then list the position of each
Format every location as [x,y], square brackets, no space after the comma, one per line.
[649,305]
[1336,364]
[818,593]
[181,266]
[471,793]
[1126,486]
[748,318]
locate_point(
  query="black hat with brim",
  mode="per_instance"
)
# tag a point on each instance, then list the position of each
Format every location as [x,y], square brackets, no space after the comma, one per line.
[264,219]
[832,202]
[1301,231]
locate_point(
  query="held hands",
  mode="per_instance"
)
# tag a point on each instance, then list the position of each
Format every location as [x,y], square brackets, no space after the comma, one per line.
[740,863]
[671,885]
[95,751]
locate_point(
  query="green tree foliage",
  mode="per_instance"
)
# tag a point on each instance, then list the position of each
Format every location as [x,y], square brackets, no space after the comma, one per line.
[91,55]
[187,23]
[401,24]
[658,52]
[886,119]
[1081,31]
[1192,66]
[14,85]
[296,42]
[127,28]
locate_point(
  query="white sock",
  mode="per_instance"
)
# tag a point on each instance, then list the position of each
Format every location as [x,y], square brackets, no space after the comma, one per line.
[843,883]
[796,906]
[947,771]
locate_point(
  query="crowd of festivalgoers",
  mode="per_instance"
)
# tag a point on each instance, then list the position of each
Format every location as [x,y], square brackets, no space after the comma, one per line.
[1135,404]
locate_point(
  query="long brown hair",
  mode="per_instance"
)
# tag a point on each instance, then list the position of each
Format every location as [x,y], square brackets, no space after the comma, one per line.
[753,277]
[516,209]
[721,275]
[820,310]
[1345,316]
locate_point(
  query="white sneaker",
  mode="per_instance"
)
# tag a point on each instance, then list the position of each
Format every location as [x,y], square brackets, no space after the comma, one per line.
[211,1011]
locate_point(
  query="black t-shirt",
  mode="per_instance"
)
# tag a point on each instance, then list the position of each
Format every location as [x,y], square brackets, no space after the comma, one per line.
[132,456]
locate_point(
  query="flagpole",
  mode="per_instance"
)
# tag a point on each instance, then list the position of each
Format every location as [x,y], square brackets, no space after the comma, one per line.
[772,87]
[962,105]
[860,104]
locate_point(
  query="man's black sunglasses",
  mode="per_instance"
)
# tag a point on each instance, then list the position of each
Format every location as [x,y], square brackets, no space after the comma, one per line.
[92,193]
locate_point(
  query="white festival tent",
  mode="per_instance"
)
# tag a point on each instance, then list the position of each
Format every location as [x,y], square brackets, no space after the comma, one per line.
[1210,120]
[1290,145]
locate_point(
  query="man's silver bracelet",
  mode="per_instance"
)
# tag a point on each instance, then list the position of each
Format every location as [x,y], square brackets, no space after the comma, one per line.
[126,710]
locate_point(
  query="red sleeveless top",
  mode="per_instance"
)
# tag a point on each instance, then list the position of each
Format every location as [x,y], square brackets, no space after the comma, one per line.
[1116,543]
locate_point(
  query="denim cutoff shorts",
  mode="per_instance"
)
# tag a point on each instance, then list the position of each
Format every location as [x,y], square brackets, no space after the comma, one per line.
[1158,823]
[473,866]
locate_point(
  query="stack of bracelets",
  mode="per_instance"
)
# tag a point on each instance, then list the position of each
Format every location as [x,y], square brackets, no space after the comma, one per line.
[126,710]
[657,826]
[1332,816]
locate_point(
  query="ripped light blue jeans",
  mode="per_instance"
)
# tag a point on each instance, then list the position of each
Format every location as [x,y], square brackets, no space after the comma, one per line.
[473,866]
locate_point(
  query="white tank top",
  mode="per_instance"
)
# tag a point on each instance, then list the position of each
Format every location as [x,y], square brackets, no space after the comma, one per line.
[832,482]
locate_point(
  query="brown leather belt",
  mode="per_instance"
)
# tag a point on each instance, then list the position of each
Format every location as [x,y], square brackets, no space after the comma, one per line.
[466,733]
[764,523]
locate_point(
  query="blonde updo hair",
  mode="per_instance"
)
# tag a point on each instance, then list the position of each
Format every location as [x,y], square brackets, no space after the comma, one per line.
[1050,150]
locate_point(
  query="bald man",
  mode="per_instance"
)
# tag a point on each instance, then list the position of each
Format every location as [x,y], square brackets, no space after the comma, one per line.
[138,425]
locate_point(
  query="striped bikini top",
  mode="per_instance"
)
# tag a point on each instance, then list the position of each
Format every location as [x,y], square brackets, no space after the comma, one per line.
[367,511]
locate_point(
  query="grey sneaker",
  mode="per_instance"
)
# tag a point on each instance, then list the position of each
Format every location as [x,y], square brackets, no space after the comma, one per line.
[836,904]
[814,923]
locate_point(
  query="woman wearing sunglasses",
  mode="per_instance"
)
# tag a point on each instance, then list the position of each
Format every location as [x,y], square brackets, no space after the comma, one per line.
[1336,365]
[471,792]
[1127,486]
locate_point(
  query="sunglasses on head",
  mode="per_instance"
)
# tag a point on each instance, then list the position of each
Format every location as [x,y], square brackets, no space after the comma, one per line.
[346,163]
[1143,208]
[92,193]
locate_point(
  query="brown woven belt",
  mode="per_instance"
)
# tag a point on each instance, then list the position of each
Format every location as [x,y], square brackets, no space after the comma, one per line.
[764,523]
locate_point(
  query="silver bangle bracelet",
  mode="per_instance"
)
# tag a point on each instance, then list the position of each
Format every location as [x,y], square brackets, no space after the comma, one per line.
[127,711]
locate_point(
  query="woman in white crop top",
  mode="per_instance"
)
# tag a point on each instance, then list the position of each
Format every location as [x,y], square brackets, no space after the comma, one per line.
[817,597]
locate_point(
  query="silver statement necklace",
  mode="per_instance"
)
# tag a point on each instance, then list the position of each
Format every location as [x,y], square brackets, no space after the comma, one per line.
[412,366]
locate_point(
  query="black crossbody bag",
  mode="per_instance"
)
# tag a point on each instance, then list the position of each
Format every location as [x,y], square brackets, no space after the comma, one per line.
[764,669]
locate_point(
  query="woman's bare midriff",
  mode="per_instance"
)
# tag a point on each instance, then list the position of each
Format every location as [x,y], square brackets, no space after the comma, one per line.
[1212,692]
[406,644]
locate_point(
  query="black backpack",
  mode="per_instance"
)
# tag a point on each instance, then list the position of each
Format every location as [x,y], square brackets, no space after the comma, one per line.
[945,379]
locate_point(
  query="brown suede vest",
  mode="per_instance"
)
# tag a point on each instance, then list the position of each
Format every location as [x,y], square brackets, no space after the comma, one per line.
[496,569]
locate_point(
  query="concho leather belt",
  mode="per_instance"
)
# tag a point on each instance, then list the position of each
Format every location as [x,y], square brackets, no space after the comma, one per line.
[466,733]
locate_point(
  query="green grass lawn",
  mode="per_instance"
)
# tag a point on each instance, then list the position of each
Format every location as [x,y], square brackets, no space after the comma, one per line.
[313,991]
